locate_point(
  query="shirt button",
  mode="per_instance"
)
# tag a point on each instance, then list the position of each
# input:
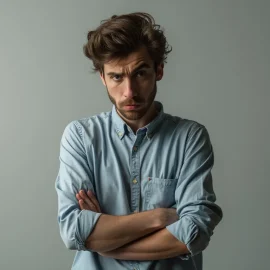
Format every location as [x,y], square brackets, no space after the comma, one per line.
[135,148]
[134,181]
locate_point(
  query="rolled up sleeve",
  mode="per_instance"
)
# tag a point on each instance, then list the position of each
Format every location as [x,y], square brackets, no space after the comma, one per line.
[194,195]
[74,174]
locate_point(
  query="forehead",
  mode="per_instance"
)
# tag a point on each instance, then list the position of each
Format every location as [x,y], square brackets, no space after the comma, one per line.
[130,62]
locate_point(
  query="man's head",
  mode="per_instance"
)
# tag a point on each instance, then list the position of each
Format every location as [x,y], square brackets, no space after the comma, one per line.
[129,51]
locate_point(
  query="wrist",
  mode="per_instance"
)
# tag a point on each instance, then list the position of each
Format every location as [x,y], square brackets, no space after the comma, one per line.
[159,218]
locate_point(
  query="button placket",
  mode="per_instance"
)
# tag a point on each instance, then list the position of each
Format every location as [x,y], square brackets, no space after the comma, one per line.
[135,174]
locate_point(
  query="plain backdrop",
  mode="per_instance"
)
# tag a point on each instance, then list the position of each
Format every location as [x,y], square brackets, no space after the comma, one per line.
[217,74]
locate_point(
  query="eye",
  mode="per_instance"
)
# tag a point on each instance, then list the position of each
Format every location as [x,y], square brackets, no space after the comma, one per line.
[117,78]
[141,73]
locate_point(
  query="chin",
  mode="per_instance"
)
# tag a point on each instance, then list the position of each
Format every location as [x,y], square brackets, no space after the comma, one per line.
[132,115]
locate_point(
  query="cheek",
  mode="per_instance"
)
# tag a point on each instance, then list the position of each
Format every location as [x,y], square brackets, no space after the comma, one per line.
[146,87]
[115,92]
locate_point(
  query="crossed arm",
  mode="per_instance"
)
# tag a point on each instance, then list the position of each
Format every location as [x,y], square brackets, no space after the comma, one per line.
[150,235]
[140,236]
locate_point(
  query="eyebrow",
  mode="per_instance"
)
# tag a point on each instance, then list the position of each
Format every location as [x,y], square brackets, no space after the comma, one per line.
[142,65]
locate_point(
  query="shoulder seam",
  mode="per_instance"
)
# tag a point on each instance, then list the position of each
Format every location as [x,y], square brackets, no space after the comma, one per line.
[199,126]
[79,128]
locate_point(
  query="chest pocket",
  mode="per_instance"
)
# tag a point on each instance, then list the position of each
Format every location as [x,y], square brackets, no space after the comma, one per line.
[160,193]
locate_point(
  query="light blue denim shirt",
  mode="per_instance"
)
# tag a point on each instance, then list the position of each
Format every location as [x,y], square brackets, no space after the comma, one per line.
[165,164]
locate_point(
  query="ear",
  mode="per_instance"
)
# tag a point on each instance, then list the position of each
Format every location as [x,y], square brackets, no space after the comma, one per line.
[159,72]
[101,74]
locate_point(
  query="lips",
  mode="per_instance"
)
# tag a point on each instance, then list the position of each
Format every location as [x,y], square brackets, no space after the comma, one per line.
[132,106]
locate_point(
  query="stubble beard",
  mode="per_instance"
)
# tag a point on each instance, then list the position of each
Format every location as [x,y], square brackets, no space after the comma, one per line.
[136,114]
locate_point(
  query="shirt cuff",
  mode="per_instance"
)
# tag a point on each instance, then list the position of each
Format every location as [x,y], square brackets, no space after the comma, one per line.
[186,231]
[86,223]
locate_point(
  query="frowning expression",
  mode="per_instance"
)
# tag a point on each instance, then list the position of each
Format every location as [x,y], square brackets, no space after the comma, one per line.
[131,83]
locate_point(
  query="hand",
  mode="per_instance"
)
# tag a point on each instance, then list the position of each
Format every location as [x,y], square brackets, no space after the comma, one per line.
[88,201]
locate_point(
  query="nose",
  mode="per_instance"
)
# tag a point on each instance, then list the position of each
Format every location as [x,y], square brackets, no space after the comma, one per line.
[129,89]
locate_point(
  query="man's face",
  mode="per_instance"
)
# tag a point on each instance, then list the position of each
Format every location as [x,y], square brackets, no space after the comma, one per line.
[131,83]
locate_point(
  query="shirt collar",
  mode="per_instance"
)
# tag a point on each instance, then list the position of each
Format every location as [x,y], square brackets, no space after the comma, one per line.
[119,124]
[121,128]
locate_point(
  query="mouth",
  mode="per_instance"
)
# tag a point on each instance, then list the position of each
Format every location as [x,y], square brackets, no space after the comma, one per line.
[131,107]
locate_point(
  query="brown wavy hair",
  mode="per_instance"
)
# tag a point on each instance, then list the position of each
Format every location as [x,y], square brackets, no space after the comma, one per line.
[121,35]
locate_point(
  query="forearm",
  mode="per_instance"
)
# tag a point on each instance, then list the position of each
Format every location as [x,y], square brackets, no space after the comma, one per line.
[112,232]
[159,245]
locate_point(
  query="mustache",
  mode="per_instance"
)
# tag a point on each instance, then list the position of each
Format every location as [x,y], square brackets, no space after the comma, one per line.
[134,101]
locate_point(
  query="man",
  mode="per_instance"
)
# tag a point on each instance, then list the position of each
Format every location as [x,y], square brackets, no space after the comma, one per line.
[134,185]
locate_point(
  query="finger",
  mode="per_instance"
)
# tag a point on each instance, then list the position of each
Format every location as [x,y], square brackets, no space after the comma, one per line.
[92,204]
[94,200]
[88,201]
[83,205]
[78,197]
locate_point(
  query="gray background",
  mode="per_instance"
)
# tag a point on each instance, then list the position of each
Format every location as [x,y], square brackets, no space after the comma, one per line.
[217,74]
